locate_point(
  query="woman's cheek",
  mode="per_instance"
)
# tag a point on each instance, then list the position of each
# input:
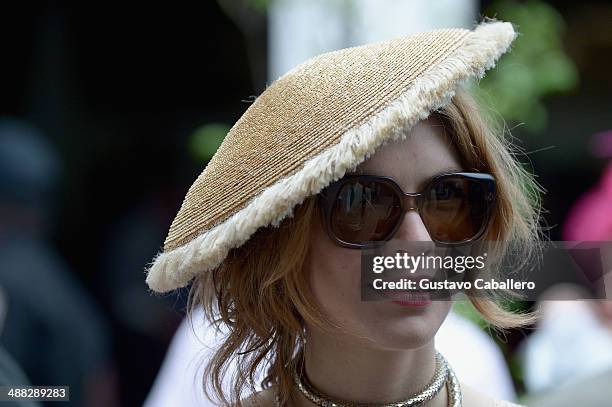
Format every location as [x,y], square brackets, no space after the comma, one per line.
[335,280]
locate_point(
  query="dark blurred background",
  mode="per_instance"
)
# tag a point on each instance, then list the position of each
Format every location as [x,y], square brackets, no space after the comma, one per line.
[120,104]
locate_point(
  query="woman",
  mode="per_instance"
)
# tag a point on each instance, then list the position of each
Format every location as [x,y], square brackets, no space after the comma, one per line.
[269,231]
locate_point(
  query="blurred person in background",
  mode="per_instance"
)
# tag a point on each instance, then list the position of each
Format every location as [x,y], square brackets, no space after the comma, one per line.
[52,328]
[144,323]
[11,373]
[568,358]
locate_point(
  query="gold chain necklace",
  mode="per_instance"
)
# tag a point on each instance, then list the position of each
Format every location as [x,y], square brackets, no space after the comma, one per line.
[443,375]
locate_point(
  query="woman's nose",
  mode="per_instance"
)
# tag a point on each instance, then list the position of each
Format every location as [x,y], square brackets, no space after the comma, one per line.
[412,228]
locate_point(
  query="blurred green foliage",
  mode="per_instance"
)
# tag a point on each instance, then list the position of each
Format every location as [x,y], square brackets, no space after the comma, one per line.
[260,6]
[537,66]
[206,139]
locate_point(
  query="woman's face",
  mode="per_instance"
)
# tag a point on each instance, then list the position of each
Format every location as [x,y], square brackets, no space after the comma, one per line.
[335,271]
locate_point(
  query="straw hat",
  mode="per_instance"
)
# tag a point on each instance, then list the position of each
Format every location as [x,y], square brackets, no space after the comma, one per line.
[309,127]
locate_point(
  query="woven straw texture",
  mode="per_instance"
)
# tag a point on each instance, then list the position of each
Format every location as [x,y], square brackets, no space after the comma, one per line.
[308,128]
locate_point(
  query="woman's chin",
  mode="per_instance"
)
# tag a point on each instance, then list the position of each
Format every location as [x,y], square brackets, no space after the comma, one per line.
[403,326]
[410,335]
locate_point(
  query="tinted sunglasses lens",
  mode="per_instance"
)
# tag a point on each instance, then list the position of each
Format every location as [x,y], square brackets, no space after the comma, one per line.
[457,209]
[365,211]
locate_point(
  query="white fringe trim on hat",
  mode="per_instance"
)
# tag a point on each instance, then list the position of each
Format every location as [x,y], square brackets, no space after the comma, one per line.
[430,91]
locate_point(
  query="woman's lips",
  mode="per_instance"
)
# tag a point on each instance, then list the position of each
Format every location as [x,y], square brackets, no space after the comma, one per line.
[409,298]
[412,298]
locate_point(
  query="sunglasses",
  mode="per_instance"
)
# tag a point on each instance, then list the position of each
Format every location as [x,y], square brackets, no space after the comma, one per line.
[455,208]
